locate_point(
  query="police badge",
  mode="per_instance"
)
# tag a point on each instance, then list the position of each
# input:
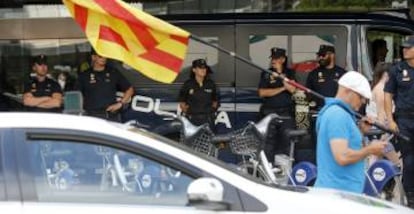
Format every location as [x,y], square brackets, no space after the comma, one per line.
[92,78]
[107,79]
[320,77]
[406,77]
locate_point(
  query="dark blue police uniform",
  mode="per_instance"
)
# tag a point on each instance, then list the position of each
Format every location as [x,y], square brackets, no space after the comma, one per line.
[200,100]
[325,82]
[401,85]
[42,89]
[281,104]
[99,91]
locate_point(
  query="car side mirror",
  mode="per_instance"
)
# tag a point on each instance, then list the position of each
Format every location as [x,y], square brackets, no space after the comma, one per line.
[207,194]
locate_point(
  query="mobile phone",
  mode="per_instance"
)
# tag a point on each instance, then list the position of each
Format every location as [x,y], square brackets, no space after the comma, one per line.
[389,137]
[389,147]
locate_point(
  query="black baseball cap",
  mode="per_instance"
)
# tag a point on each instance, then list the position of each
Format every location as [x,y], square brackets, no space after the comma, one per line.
[40,59]
[277,52]
[199,63]
[408,43]
[323,49]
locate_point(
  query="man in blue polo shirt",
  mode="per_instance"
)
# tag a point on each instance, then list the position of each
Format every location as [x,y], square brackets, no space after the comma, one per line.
[340,152]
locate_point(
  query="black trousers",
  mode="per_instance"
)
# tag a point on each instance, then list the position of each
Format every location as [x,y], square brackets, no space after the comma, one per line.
[406,127]
[277,142]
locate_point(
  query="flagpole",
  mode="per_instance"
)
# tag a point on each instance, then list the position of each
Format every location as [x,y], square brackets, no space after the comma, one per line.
[291,82]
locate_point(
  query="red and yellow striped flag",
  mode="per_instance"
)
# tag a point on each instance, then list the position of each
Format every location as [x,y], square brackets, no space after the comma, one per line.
[117,30]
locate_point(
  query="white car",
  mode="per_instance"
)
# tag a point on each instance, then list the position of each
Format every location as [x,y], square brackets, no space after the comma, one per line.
[54,163]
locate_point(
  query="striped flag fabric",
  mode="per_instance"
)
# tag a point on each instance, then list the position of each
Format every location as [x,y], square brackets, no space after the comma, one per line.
[119,31]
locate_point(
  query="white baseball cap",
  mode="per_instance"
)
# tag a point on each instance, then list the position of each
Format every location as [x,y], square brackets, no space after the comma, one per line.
[356,82]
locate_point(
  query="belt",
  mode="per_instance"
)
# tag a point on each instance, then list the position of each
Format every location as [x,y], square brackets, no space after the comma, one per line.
[200,114]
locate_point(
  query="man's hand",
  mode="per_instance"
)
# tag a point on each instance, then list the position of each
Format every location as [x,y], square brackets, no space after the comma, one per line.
[184,107]
[377,147]
[393,125]
[275,74]
[114,107]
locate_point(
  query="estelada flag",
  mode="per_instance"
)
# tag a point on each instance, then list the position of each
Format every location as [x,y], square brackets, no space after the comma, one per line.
[117,30]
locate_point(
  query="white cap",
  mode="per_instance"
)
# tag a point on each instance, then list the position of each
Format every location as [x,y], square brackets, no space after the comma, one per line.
[356,82]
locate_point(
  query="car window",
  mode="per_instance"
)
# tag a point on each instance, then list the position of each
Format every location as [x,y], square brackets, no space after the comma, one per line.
[68,171]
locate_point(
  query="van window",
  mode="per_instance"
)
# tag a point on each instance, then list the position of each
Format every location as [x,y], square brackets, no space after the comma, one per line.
[301,50]
[63,55]
[301,43]
[381,46]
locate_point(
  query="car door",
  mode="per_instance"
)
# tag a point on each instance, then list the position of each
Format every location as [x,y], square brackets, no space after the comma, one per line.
[84,172]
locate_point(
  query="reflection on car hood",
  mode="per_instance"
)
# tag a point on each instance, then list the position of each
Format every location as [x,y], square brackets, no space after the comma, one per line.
[362,199]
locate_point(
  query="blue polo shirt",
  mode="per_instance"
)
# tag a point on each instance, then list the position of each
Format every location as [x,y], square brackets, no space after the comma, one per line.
[336,120]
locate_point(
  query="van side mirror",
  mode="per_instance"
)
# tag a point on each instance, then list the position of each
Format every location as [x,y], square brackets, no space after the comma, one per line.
[207,194]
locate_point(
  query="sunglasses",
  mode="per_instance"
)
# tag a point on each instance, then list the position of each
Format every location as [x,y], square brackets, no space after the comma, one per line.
[362,99]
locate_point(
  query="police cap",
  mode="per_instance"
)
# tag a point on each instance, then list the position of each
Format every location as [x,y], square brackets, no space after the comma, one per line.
[199,63]
[409,42]
[40,60]
[277,52]
[323,49]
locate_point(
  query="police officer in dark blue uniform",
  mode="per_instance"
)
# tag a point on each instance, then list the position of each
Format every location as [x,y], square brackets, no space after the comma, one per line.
[99,85]
[41,93]
[324,79]
[400,88]
[198,96]
[277,98]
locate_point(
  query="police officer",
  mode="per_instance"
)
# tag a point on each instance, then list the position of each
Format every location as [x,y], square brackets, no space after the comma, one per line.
[277,98]
[99,85]
[324,79]
[400,89]
[198,96]
[41,93]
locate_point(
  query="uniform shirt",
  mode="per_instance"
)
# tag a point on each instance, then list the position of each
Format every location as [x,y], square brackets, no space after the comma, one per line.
[199,98]
[337,121]
[42,89]
[281,100]
[99,88]
[401,85]
[324,81]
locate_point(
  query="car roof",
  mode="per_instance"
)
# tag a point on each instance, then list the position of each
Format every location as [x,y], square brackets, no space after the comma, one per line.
[54,120]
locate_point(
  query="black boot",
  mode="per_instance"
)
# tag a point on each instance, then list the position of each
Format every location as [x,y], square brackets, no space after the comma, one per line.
[410,199]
